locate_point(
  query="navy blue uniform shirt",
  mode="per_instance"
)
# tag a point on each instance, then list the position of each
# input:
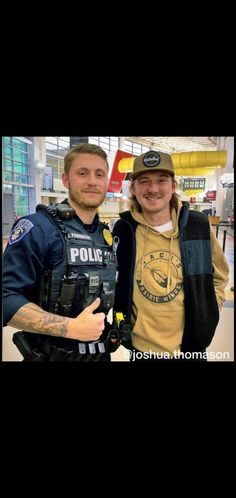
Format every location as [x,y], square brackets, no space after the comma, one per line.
[34,244]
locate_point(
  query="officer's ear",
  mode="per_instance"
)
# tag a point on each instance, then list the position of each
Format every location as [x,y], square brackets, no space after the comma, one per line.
[65,180]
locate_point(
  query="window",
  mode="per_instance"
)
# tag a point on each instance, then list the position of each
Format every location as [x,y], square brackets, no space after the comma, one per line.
[6,140]
[15,168]
[134,148]
[112,144]
[19,156]
[56,149]
[7,176]
[7,151]
[18,144]
[109,144]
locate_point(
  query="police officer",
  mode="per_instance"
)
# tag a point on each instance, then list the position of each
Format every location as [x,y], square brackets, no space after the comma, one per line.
[59,270]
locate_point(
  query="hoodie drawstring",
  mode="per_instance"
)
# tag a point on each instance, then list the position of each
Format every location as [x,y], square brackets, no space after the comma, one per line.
[169,266]
[145,239]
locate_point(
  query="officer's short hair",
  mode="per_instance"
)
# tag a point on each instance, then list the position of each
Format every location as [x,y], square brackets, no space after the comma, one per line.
[83,148]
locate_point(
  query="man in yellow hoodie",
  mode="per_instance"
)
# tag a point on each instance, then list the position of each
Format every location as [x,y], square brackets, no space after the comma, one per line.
[172,271]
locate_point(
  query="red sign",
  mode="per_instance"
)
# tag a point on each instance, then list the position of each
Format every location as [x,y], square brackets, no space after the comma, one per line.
[211,195]
[115,183]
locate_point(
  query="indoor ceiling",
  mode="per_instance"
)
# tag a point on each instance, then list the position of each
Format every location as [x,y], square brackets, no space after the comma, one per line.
[177,144]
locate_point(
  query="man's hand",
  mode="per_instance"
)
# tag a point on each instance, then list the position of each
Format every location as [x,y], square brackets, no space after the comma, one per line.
[87,326]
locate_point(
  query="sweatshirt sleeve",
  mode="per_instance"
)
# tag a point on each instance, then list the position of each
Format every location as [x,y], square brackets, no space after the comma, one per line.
[221,270]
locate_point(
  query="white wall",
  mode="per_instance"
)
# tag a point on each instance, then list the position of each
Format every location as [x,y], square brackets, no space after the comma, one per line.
[224,143]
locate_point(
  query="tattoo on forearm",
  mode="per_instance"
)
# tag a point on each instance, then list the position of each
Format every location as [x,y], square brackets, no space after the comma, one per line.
[32,318]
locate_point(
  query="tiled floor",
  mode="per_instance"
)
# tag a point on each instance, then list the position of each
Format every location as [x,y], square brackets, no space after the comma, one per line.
[221,348]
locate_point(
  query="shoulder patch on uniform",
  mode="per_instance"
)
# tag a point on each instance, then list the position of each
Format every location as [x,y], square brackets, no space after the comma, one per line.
[20,230]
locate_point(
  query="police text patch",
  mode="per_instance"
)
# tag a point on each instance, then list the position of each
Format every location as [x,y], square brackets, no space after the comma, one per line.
[20,230]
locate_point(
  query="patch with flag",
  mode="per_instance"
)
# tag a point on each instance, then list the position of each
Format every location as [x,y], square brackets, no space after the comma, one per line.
[20,230]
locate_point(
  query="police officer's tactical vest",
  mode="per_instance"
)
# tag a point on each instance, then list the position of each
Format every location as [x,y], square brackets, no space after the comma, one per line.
[86,271]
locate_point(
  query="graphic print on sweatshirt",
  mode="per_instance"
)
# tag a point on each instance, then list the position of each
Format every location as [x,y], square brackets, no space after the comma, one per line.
[153,274]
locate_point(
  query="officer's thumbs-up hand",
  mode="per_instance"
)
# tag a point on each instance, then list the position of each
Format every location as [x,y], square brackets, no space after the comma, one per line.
[87,326]
[93,306]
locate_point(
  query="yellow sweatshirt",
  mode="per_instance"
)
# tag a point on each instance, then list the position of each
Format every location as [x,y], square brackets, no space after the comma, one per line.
[158,299]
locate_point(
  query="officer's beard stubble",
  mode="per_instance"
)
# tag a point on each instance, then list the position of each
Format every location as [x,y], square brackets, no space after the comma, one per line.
[84,201]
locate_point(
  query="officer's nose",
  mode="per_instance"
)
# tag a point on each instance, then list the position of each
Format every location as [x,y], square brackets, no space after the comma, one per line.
[92,179]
